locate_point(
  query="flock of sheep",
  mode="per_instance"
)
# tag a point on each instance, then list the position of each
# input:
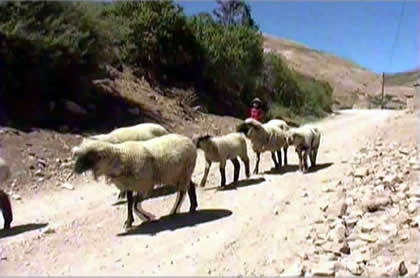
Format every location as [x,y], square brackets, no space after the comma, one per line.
[137,158]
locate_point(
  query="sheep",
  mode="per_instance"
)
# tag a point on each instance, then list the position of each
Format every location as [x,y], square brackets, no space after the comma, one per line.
[285,127]
[138,166]
[264,138]
[139,132]
[279,123]
[306,140]
[221,148]
[5,204]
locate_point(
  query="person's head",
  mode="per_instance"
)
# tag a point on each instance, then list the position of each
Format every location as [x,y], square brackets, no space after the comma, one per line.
[256,103]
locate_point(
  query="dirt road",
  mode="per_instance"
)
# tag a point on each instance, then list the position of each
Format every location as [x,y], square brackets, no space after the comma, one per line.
[258,228]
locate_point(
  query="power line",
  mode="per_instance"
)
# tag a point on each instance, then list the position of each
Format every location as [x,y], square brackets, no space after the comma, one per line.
[397,34]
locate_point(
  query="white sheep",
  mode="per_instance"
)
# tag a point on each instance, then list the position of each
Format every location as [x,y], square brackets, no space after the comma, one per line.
[263,138]
[138,166]
[279,123]
[139,132]
[5,204]
[223,148]
[285,127]
[306,140]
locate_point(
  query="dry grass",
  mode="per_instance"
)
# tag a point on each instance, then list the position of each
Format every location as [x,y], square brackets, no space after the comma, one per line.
[352,84]
[403,79]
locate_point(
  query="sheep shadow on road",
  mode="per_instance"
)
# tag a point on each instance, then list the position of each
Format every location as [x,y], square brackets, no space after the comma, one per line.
[177,221]
[320,166]
[283,169]
[157,192]
[242,183]
[15,230]
[295,168]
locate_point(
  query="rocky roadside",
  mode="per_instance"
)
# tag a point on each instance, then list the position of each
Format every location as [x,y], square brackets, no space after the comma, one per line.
[370,222]
[39,159]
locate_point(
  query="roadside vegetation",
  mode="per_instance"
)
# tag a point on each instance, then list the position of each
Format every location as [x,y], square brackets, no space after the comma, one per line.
[53,50]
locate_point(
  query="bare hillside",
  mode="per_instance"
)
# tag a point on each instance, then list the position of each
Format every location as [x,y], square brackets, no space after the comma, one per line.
[352,83]
[408,78]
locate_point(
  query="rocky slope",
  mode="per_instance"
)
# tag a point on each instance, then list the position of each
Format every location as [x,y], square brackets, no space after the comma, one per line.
[41,158]
[370,223]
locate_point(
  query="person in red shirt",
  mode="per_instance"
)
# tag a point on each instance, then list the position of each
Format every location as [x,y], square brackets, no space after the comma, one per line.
[256,112]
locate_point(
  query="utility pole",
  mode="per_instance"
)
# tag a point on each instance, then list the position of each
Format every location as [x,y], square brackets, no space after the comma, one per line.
[383,83]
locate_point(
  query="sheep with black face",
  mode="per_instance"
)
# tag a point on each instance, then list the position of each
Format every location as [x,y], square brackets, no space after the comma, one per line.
[138,166]
[139,132]
[263,138]
[220,149]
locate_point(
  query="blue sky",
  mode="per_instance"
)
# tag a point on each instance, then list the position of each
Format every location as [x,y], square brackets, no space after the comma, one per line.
[363,32]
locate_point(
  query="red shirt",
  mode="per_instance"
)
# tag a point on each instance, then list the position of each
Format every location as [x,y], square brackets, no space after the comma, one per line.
[256,114]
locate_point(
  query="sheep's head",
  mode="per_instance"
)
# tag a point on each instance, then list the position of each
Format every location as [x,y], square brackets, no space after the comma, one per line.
[198,141]
[243,127]
[249,127]
[293,138]
[96,156]
[284,127]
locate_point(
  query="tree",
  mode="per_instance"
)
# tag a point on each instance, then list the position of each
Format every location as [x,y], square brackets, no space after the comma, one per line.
[234,12]
[156,40]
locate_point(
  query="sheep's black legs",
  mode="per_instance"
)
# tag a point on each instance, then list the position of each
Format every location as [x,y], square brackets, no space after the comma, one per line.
[246,165]
[130,217]
[299,153]
[139,211]
[257,163]
[193,197]
[311,158]
[285,156]
[314,154]
[122,195]
[305,160]
[222,176]
[6,209]
[236,169]
[273,157]
[206,173]
[179,198]
[279,158]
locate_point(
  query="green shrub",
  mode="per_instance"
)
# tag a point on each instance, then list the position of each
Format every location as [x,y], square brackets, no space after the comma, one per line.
[156,39]
[294,93]
[317,95]
[280,80]
[58,24]
[233,56]
[60,46]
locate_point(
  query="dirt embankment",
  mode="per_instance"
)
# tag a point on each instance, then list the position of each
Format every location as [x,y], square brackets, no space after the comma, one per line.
[41,158]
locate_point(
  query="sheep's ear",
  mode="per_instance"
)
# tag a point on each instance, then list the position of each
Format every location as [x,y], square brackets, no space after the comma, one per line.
[116,168]
[249,131]
[243,127]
